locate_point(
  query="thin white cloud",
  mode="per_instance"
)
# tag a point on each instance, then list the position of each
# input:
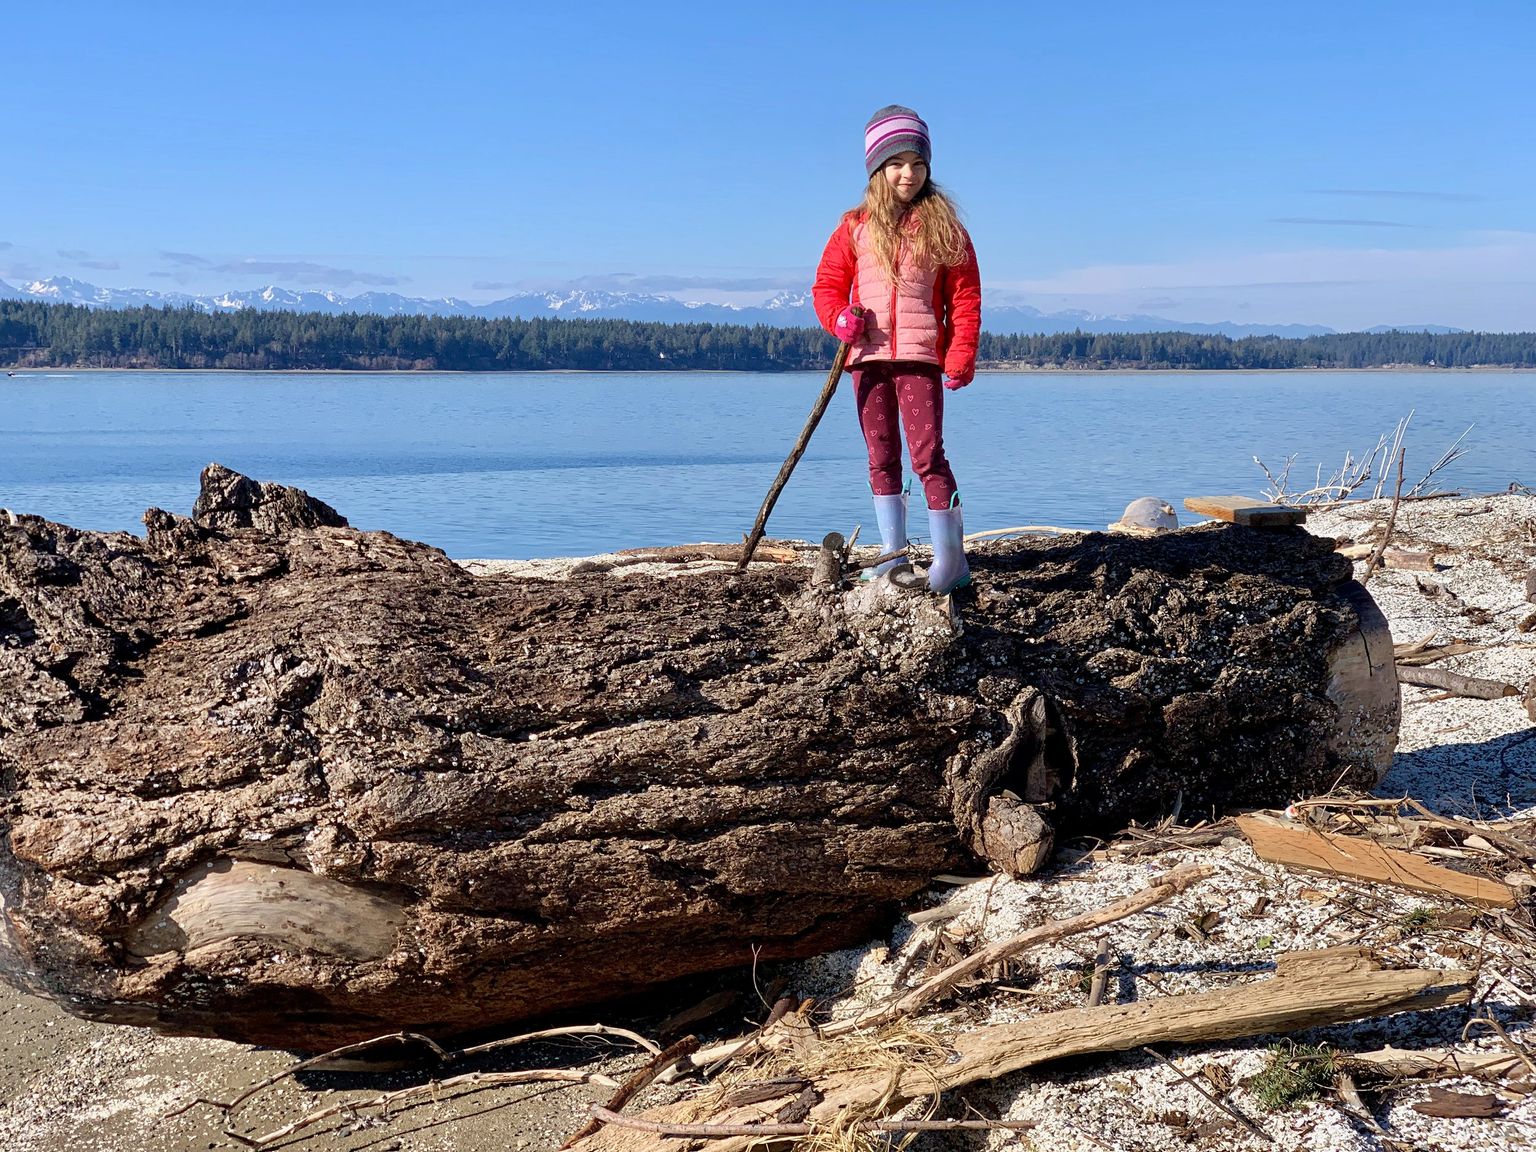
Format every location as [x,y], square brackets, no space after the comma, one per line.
[1395,194]
[1485,282]
[1335,222]
[308,272]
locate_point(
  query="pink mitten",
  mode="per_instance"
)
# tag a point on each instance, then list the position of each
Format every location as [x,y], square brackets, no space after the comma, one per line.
[850,324]
[959,379]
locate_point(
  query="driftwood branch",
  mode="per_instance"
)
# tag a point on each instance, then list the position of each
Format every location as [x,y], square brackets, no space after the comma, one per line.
[445,1056]
[1170,886]
[1100,983]
[1400,1063]
[386,1101]
[1386,537]
[1230,1109]
[817,410]
[636,1084]
[1415,655]
[1312,992]
[1472,687]
[663,1128]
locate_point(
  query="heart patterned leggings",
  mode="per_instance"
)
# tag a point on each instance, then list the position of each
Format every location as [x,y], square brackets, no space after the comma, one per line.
[880,389]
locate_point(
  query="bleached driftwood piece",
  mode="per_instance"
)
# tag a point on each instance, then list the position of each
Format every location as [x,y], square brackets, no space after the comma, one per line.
[1303,846]
[1472,687]
[1303,999]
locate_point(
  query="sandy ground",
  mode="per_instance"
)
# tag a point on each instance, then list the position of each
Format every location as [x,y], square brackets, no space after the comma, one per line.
[67,1083]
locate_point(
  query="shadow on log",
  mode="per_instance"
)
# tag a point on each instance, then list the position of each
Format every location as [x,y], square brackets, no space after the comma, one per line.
[296,784]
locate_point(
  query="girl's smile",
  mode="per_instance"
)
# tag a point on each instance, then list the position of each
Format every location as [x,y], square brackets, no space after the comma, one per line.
[906,173]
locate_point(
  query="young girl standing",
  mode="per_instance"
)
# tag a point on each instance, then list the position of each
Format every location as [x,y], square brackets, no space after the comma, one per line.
[898,281]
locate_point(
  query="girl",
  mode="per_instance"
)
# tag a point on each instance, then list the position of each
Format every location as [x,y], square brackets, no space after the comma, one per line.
[898,281]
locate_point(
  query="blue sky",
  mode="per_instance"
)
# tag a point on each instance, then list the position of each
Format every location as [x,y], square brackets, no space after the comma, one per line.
[1340,163]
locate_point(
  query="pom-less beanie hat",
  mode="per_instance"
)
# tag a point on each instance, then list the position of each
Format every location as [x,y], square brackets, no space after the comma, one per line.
[891,130]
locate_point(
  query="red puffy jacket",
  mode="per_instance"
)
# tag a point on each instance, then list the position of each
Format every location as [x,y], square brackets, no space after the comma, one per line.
[927,315]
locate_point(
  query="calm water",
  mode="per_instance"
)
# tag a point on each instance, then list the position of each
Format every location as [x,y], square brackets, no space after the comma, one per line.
[566,464]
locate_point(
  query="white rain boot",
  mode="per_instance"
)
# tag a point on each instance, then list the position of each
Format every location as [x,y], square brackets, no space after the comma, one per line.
[891,516]
[949,569]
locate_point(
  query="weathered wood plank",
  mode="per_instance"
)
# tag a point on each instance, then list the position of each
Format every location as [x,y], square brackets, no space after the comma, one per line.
[1246,511]
[1302,846]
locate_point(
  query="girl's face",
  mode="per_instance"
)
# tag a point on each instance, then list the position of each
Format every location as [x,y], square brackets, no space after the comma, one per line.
[906,172]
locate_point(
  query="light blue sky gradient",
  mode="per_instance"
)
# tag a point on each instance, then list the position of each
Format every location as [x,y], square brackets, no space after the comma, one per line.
[1339,163]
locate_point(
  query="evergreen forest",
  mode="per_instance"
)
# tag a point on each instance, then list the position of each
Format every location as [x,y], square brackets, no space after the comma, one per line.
[35,335]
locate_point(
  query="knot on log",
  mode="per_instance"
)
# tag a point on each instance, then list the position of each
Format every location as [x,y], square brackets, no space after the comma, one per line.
[997,781]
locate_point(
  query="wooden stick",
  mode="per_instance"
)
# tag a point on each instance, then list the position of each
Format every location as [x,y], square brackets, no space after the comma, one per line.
[1398,1063]
[1167,888]
[1422,656]
[1100,982]
[1472,687]
[877,561]
[444,1056]
[666,1128]
[1044,529]
[636,1084]
[1170,886]
[838,362]
[1229,1109]
[1397,496]
[231,1106]
[1520,849]
[386,1100]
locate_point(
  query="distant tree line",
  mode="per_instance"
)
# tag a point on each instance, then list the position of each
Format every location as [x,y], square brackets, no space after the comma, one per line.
[35,334]
[1189,350]
[63,335]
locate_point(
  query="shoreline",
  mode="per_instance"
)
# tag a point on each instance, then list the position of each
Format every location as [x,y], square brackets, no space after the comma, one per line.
[992,369]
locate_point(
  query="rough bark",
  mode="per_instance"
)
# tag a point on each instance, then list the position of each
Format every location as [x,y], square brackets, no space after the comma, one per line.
[298,784]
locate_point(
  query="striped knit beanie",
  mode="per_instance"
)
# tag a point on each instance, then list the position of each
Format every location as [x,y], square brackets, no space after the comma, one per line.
[891,130]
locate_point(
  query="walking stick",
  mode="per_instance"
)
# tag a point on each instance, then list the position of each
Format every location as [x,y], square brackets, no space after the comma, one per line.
[822,401]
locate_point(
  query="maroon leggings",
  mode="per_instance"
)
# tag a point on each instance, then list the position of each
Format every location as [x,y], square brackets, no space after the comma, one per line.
[879,389]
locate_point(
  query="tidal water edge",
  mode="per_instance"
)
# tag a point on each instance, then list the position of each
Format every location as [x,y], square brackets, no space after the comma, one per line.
[528,465]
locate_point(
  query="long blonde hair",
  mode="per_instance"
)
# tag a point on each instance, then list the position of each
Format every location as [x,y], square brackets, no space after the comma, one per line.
[930,225]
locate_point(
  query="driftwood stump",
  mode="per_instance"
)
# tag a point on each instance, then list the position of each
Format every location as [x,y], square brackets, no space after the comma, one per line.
[267,777]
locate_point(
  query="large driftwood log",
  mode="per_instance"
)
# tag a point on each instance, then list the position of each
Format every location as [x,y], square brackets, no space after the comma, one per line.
[270,778]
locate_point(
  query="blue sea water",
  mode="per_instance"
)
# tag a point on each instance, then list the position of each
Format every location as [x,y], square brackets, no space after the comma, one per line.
[549,464]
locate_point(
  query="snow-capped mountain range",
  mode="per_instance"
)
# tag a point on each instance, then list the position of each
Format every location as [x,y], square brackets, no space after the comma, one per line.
[787,309]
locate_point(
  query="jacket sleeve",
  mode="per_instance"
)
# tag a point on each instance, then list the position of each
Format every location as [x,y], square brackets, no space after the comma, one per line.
[962,313]
[834,277]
